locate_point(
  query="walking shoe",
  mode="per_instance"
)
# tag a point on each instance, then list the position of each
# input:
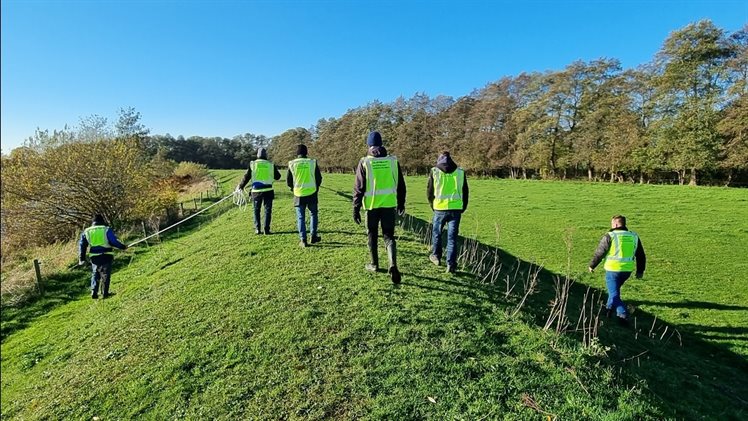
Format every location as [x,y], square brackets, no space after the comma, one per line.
[316,239]
[371,267]
[434,259]
[258,232]
[302,244]
[451,269]
[108,295]
[267,231]
[622,321]
[94,296]
[394,275]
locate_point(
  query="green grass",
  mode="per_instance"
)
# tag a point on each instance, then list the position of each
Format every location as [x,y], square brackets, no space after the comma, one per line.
[218,322]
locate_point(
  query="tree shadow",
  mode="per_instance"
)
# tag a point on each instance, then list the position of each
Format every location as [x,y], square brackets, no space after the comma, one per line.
[668,357]
[690,304]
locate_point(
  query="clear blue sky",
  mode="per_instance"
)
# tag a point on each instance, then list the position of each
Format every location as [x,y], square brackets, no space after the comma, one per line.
[221,68]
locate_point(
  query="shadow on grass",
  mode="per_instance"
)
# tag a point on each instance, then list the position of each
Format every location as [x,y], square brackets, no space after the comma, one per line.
[74,283]
[672,359]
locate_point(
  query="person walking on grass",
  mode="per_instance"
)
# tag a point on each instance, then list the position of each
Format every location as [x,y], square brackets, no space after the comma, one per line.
[380,189]
[97,242]
[447,192]
[623,252]
[262,173]
[304,178]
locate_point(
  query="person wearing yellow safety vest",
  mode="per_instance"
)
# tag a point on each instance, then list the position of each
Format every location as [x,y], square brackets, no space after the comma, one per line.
[262,173]
[380,189]
[304,178]
[97,242]
[447,192]
[623,253]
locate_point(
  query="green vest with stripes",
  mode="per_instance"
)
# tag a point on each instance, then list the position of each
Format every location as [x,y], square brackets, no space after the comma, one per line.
[622,250]
[302,171]
[381,182]
[96,237]
[262,172]
[447,189]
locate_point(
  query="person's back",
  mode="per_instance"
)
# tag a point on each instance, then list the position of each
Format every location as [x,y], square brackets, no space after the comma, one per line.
[262,173]
[447,193]
[97,242]
[304,178]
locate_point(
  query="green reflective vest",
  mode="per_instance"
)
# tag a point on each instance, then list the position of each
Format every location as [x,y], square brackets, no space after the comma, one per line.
[381,182]
[96,237]
[262,172]
[448,189]
[622,250]
[302,171]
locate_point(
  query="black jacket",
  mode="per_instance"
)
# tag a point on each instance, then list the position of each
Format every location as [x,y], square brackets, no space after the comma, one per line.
[448,166]
[604,246]
[306,199]
[359,186]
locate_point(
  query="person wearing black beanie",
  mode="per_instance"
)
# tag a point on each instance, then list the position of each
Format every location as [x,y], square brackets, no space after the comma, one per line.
[382,204]
[262,173]
[97,242]
[304,178]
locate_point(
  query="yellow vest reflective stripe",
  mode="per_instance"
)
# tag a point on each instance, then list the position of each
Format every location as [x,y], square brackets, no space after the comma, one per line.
[303,171]
[622,250]
[448,189]
[262,172]
[381,182]
[96,237]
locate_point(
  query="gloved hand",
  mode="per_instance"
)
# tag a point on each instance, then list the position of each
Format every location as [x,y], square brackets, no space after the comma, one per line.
[357,216]
[639,275]
[401,210]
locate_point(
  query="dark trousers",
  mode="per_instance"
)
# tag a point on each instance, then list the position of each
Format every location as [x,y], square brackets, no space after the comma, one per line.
[257,201]
[101,273]
[386,218]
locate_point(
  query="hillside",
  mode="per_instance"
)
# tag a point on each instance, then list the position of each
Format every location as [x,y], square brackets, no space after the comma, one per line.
[218,322]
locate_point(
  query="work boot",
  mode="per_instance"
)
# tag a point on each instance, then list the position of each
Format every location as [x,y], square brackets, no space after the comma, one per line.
[392,254]
[258,232]
[623,321]
[434,259]
[451,269]
[94,296]
[316,239]
[267,231]
[371,267]
[394,275]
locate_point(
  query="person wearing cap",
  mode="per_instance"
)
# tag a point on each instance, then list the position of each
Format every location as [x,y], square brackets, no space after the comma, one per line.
[380,189]
[623,253]
[447,193]
[304,178]
[97,242]
[262,173]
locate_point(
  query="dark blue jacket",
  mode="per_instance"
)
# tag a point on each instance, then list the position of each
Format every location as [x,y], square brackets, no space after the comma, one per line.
[83,244]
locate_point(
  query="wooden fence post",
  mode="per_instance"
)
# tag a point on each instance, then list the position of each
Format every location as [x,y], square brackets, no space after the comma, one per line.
[38,276]
[181,208]
[195,200]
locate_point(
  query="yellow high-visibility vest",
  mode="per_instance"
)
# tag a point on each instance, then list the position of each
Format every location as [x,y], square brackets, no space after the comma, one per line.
[448,189]
[304,181]
[96,237]
[381,182]
[262,172]
[622,251]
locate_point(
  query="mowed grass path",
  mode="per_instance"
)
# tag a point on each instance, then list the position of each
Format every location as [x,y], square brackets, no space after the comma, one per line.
[219,323]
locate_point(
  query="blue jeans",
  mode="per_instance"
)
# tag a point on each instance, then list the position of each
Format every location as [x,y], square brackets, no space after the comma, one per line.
[101,273]
[452,219]
[614,281]
[301,219]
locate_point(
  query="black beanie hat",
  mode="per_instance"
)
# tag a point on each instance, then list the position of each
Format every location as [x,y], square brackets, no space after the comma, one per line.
[98,220]
[374,139]
[301,149]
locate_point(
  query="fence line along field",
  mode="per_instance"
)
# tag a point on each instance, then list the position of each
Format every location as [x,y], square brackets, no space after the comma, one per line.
[218,322]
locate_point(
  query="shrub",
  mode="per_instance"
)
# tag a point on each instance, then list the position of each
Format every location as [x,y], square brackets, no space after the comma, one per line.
[188,172]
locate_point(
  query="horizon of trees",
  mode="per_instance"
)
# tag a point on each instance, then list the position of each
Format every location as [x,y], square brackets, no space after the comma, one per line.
[683,117]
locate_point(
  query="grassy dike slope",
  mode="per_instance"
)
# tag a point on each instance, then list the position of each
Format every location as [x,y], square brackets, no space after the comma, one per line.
[220,323]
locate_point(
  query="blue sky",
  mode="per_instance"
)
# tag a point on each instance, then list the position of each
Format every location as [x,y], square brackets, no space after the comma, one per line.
[222,68]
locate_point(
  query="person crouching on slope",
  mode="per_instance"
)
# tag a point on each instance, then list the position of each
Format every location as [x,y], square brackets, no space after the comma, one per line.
[100,238]
[380,189]
[621,249]
[304,178]
[447,192]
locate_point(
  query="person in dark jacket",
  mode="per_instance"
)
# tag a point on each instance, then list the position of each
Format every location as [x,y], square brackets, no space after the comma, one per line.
[380,189]
[101,239]
[304,178]
[448,194]
[623,252]
[262,173]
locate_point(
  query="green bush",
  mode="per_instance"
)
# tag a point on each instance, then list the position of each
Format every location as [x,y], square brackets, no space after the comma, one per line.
[190,171]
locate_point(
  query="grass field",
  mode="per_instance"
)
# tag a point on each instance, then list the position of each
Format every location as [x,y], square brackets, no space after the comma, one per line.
[217,322]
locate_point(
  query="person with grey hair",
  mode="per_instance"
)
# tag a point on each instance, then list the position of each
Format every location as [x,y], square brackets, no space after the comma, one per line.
[261,173]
